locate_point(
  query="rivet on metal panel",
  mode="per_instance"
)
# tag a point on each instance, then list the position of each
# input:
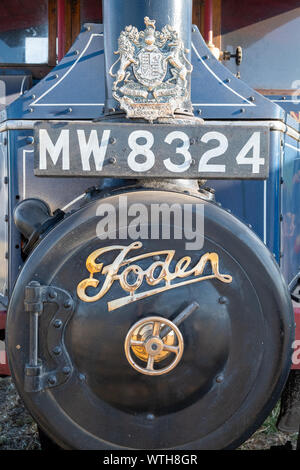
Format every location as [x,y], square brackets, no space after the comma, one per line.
[30,140]
[68,304]
[52,294]
[57,351]
[150,417]
[52,380]
[57,323]
[66,370]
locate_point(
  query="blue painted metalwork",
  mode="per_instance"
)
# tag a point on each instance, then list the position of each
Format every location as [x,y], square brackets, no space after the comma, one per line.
[291,104]
[290,228]
[257,203]
[75,90]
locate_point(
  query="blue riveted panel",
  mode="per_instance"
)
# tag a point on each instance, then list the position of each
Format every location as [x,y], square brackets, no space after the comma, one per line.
[290,209]
[257,203]
[75,89]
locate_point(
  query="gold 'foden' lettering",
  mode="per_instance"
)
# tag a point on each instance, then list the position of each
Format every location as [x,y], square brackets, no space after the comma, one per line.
[157,272]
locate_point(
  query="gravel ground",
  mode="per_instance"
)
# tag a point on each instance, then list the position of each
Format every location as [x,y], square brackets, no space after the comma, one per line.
[17,428]
[19,431]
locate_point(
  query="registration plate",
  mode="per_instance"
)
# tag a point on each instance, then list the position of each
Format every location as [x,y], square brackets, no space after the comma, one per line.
[146,150]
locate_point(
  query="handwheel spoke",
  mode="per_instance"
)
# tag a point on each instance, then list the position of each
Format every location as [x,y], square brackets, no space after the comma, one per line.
[173,349]
[156,328]
[134,342]
[150,363]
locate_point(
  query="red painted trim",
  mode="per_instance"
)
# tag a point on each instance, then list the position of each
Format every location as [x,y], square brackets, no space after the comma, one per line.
[2,320]
[61,28]
[4,369]
[297,338]
[208,21]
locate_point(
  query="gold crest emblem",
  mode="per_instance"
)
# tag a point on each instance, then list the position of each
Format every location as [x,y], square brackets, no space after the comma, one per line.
[151,81]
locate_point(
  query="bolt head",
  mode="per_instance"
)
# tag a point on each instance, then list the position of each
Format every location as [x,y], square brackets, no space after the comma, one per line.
[57,324]
[52,380]
[52,294]
[66,370]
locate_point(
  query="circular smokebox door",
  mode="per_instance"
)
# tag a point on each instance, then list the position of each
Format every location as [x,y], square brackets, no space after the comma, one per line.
[150,343]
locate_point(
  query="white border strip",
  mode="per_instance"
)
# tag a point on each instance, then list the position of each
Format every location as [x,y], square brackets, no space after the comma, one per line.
[64,76]
[24,171]
[292,147]
[265,213]
[284,101]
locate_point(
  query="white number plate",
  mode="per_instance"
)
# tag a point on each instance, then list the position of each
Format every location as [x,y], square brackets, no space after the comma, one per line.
[160,151]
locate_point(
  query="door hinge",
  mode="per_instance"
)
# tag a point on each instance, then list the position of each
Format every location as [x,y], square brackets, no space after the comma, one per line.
[38,374]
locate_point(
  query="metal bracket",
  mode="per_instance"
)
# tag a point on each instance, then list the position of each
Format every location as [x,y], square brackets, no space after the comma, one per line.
[37,375]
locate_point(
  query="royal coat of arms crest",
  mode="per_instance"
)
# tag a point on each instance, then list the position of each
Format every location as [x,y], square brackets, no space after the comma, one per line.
[152,79]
